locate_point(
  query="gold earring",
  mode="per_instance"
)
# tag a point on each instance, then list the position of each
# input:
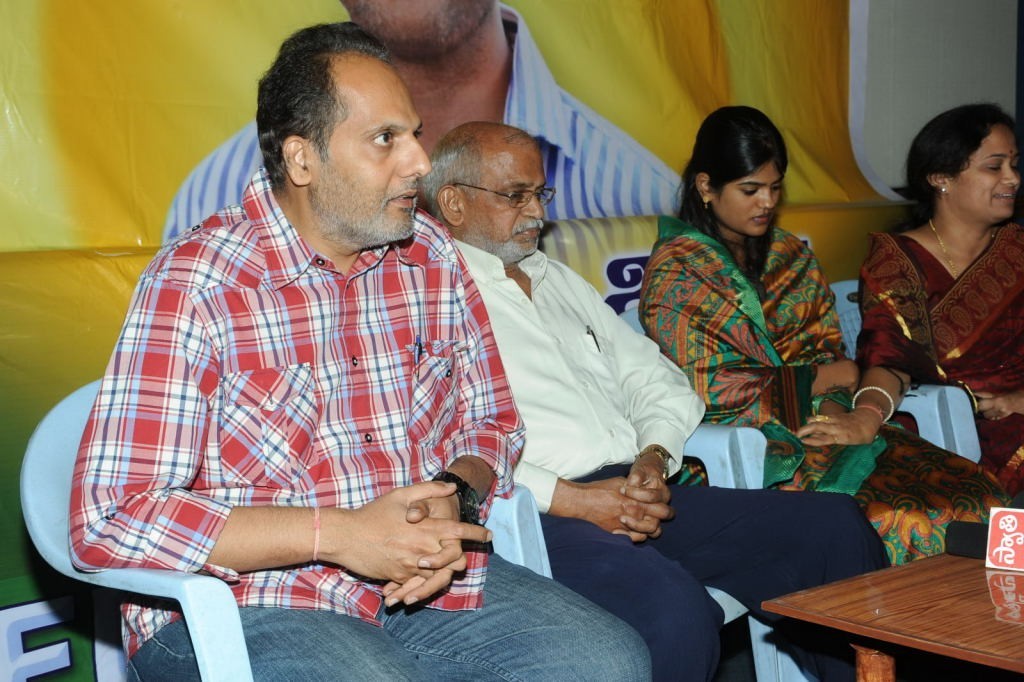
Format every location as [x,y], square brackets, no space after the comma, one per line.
[706,202]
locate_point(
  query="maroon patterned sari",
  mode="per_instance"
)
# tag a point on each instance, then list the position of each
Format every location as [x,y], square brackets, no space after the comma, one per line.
[968,331]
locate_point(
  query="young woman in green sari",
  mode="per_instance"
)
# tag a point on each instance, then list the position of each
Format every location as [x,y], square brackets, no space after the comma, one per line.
[743,308]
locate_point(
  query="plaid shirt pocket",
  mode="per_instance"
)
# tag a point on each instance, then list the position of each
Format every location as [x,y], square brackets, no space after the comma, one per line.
[433,395]
[268,423]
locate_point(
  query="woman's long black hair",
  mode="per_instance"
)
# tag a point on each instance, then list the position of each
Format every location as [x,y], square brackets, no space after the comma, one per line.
[732,143]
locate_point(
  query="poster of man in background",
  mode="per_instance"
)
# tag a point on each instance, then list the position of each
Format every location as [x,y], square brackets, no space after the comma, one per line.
[467,60]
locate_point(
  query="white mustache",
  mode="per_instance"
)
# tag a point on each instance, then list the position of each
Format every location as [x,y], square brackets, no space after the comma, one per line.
[534,224]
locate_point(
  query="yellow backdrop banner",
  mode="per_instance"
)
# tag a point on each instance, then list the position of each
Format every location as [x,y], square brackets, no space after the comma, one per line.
[108,105]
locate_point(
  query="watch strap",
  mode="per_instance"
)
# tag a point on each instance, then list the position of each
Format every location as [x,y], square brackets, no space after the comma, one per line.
[469,501]
[661,452]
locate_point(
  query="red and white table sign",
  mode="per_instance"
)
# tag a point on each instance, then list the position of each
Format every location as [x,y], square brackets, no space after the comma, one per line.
[1005,539]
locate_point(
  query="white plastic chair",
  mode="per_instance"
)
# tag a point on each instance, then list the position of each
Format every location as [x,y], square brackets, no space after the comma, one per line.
[944,414]
[518,536]
[734,458]
[207,603]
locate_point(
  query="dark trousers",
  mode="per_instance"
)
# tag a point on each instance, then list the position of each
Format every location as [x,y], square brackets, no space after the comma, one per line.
[753,544]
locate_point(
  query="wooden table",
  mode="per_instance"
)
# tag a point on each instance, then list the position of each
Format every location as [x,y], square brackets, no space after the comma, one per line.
[945,604]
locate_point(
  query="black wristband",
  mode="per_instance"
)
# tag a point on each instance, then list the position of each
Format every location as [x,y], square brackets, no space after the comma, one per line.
[903,384]
[469,502]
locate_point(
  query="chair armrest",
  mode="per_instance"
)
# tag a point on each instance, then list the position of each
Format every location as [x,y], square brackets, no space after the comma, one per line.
[731,606]
[944,417]
[732,455]
[209,608]
[518,536]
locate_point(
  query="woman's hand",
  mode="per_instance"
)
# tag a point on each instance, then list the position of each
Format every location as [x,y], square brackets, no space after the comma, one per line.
[995,407]
[835,376]
[881,390]
[848,428]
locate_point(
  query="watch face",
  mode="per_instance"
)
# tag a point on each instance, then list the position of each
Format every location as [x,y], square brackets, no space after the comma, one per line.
[469,506]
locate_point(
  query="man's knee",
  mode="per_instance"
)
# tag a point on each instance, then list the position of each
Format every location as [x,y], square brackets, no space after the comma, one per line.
[591,642]
[680,623]
[629,659]
[563,634]
[670,609]
[834,513]
[668,596]
[838,526]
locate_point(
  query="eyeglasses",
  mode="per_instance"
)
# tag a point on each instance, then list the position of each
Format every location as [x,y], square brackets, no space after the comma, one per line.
[518,199]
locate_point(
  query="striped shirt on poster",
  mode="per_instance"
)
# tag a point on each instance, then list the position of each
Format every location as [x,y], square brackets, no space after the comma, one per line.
[598,169]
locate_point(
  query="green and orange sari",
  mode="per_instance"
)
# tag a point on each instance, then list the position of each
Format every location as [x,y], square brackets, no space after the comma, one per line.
[752,359]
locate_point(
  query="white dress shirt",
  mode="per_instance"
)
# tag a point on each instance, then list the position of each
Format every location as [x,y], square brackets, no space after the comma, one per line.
[591,391]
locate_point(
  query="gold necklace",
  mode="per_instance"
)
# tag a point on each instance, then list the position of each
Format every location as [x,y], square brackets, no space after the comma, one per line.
[945,253]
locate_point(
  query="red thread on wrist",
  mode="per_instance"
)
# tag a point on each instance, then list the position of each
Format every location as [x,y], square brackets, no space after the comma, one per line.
[316,533]
[874,408]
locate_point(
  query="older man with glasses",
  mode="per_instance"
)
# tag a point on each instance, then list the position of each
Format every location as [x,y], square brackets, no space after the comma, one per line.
[606,418]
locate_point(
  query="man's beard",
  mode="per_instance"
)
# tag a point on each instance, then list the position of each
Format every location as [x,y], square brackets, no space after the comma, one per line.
[510,252]
[339,224]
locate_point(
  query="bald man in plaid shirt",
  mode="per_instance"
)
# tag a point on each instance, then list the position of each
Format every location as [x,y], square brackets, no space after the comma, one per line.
[306,401]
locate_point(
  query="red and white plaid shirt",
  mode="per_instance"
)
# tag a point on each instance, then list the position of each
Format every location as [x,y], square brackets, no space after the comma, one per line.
[249,371]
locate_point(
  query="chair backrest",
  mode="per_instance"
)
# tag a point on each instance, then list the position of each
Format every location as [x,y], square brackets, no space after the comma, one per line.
[46,476]
[207,603]
[631,316]
[733,456]
[848,309]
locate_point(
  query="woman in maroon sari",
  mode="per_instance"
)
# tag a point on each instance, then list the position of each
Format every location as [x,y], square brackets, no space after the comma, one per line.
[943,300]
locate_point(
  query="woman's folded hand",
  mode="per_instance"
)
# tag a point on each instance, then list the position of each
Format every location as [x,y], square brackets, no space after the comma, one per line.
[849,428]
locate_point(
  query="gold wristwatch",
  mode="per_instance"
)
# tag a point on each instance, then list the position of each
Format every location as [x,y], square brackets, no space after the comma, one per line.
[666,458]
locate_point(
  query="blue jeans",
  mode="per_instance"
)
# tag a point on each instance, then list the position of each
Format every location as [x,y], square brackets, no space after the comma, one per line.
[530,628]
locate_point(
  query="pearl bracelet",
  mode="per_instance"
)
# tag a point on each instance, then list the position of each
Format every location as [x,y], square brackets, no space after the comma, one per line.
[892,403]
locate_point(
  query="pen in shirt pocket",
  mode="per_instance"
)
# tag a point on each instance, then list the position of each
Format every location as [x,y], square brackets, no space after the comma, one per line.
[590,332]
